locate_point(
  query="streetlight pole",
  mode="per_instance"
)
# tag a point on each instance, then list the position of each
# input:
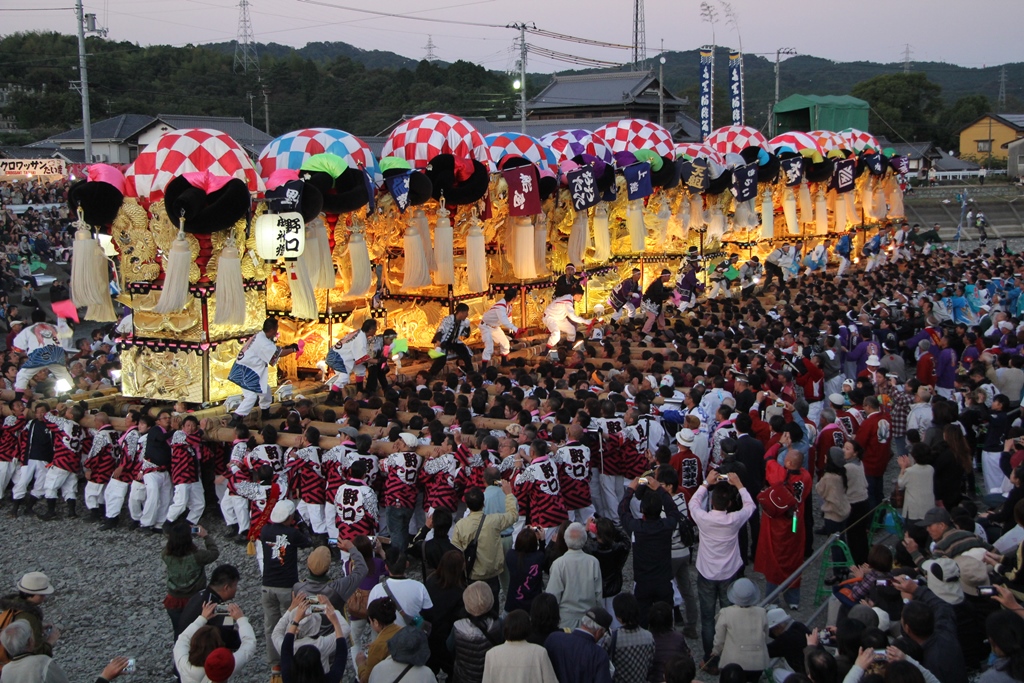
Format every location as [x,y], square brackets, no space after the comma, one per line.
[778,53]
[522,78]
[661,90]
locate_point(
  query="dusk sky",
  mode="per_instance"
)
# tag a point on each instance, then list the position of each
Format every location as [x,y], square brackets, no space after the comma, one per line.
[973,34]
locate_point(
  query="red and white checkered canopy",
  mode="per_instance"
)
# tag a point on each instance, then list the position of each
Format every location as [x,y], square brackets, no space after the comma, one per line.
[186,151]
[735,139]
[827,140]
[567,144]
[696,150]
[423,137]
[798,141]
[631,135]
[857,140]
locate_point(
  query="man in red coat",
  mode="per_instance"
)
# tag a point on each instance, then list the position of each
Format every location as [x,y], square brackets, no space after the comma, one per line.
[925,368]
[875,436]
[780,543]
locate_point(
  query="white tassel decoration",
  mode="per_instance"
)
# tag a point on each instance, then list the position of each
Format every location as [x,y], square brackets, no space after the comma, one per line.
[476,256]
[657,225]
[789,211]
[230,290]
[177,263]
[360,256]
[304,304]
[103,311]
[540,245]
[444,248]
[850,199]
[895,195]
[767,214]
[89,281]
[416,272]
[428,244]
[821,212]
[602,236]
[635,225]
[321,264]
[840,215]
[578,237]
[806,204]
[880,210]
[524,264]
[867,198]
[681,218]
[716,220]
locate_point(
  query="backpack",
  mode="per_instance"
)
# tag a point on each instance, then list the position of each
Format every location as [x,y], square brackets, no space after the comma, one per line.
[778,500]
[6,617]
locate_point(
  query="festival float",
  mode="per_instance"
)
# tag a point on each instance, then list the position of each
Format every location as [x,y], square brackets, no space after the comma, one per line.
[322,235]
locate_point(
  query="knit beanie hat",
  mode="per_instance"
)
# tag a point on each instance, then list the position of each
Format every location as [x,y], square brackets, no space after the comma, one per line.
[478,598]
[220,664]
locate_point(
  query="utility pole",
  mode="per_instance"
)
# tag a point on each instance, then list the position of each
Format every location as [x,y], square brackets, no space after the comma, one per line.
[778,53]
[661,86]
[266,110]
[906,58]
[83,74]
[1001,102]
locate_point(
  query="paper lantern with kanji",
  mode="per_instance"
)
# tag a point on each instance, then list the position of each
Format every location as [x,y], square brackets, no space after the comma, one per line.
[280,235]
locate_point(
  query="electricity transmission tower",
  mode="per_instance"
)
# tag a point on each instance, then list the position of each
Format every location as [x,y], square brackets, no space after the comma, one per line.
[639,35]
[429,47]
[246,59]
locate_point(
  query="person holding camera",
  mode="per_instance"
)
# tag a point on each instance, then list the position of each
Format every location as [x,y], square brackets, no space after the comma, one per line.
[718,555]
[186,567]
[200,655]
[652,540]
[306,622]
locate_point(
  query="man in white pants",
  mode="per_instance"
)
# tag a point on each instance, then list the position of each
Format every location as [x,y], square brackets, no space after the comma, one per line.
[41,342]
[185,455]
[10,443]
[491,323]
[560,318]
[62,472]
[349,357]
[99,464]
[37,455]
[235,508]
[156,459]
[123,478]
[251,370]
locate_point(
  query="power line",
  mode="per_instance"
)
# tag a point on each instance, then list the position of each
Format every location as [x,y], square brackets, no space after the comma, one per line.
[576,39]
[35,9]
[395,15]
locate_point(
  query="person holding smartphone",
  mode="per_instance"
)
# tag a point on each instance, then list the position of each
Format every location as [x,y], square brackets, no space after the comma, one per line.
[186,567]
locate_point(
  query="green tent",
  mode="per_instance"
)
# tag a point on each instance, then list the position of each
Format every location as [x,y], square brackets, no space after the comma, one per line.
[820,112]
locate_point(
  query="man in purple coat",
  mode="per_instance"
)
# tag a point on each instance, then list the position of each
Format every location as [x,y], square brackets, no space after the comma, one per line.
[945,368]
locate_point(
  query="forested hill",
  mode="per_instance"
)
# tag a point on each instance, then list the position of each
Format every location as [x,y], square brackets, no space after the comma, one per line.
[335,91]
[326,52]
[363,91]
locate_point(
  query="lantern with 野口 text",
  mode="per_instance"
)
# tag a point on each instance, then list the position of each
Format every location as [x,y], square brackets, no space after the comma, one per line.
[280,235]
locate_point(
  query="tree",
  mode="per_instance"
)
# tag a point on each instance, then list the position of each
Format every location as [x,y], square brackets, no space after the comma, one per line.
[904,106]
[964,111]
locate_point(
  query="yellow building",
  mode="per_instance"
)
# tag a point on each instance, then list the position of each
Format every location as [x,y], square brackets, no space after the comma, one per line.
[989,136]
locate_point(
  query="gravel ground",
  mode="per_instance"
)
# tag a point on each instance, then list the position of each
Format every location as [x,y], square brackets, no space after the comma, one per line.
[110,586]
[110,589]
